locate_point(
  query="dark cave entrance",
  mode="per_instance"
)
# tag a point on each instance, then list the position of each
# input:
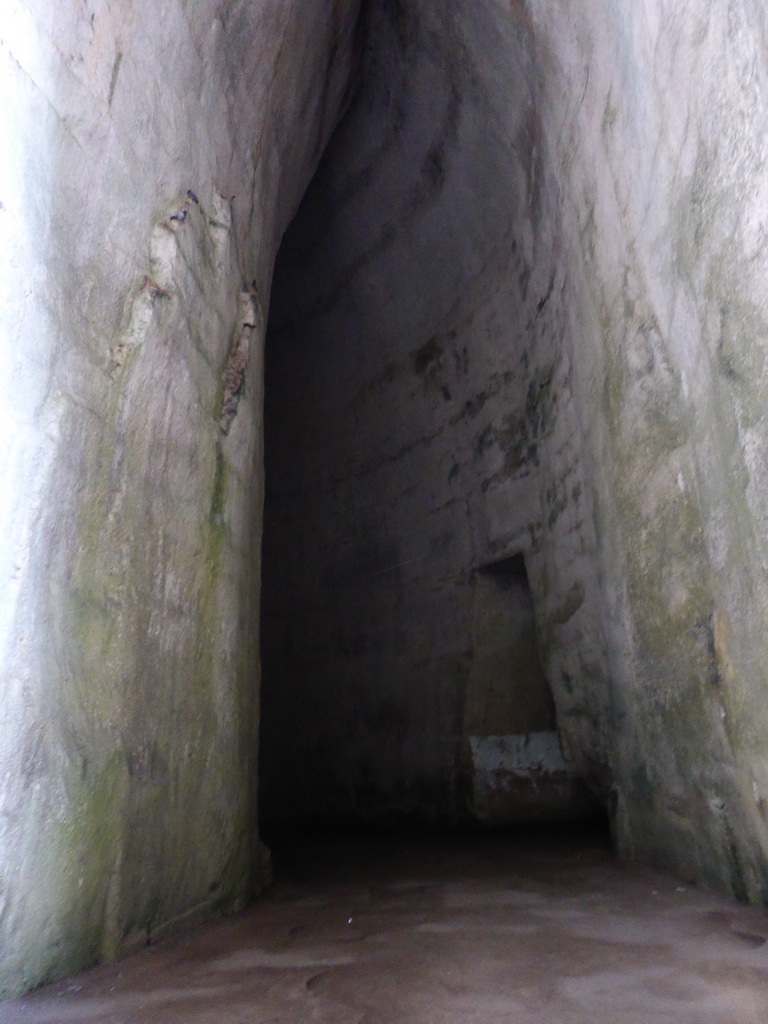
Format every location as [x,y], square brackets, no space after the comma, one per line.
[401,674]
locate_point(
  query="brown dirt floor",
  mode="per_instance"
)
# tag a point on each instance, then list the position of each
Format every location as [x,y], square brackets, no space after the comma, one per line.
[543,926]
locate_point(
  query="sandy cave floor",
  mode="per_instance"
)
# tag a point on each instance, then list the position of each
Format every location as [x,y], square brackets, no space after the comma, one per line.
[543,926]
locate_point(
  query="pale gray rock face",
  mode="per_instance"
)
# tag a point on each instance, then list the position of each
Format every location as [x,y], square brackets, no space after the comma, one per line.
[153,154]
[516,419]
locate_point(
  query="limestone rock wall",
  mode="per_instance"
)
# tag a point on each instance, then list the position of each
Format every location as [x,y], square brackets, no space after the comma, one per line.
[522,316]
[524,310]
[150,165]
[655,123]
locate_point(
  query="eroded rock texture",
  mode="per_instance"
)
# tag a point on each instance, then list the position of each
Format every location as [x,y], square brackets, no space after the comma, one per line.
[153,155]
[414,386]
[516,416]
[522,310]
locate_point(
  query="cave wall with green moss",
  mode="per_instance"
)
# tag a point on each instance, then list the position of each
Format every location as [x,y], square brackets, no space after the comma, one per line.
[147,177]
[522,315]
[658,148]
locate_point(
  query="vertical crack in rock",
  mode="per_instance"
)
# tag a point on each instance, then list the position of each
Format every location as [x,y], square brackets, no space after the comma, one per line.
[139,318]
[251,324]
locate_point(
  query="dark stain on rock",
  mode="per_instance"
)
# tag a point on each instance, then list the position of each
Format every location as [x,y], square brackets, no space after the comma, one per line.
[485,440]
[427,355]
[460,356]
[570,604]
[115,74]
[433,173]
[217,497]
[397,13]
[738,882]
[545,299]
[704,632]
[515,442]
[473,406]
[751,938]
[523,279]
[539,401]
[557,505]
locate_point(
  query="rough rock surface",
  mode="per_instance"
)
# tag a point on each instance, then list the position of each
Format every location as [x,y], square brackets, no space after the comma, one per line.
[523,309]
[410,402]
[523,312]
[149,170]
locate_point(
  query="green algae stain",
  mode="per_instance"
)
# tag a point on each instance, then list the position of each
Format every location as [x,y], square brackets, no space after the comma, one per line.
[219,487]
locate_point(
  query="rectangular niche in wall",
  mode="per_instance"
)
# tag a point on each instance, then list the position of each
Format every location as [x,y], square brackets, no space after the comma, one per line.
[515,766]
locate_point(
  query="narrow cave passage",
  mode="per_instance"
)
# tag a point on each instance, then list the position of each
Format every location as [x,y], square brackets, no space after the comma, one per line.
[400,683]
[514,555]
[406,407]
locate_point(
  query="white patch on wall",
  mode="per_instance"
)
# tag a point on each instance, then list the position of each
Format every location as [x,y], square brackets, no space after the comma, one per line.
[523,754]
[523,777]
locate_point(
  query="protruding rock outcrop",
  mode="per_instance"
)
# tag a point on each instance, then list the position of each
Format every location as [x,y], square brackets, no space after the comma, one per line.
[152,162]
